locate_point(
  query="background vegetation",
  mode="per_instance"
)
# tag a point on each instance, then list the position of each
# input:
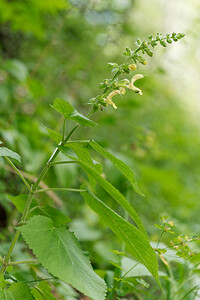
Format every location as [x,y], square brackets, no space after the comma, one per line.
[55,48]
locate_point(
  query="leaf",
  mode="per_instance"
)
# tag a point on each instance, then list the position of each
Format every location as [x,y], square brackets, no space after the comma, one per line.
[7,152]
[42,292]
[20,201]
[82,154]
[16,291]
[68,111]
[17,69]
[137,243]
[54,214]
[106,185]
[59,252]
[63,107]
[57,137]
[124,168]
[113,192]
[81,119]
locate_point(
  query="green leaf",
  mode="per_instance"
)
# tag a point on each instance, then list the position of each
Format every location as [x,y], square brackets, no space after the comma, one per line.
[17,69]
[42,292]
[59,252]
[128,173]
[63,107]
[113,192]
[81,119]
[16,291]
[7,152]
[67,110]
[54,214]
[57,137]
[2,282]
[137,242]
[85,163]
[82,154]
[20,201]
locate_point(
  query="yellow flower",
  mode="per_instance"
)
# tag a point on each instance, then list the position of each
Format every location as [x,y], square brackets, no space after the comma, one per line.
[121,91]
[130,85]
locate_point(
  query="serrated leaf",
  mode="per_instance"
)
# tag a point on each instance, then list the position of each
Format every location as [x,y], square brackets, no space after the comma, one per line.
[69,112]
[54,214]
[7,152]
[42,292]
[56,136]
[137,243]
[59,252]
[128,173]
[20,201]
[16,291]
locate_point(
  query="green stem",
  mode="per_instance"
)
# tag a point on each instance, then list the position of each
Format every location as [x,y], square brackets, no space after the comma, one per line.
[6,260]
[63,134]
[60,190]
[16,235]
[160,239]
[31,192]
[63,162]
[130,269]
[79,141]
[13,263]
[18,172]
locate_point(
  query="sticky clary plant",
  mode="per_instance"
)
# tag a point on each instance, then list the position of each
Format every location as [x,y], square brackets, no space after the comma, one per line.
[45,229]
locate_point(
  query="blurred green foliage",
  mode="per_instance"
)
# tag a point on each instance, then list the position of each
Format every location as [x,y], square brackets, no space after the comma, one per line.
[58,48]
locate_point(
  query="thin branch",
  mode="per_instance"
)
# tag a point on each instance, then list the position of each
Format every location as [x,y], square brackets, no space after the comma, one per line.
[63,134]
[60,190]
[79,141]
[12,263]
[18,172]
[32,178]
[63,162]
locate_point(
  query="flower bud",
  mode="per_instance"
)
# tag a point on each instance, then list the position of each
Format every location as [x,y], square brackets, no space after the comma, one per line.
[141,60]
[132,67]
[149,52]
[163,43]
